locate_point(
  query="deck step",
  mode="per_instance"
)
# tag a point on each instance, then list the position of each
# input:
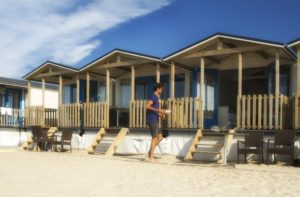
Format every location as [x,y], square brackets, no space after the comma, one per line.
[107,143]
[207,152]
[210,144]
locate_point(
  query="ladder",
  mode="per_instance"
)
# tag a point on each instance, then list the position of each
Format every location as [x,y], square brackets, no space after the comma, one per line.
[106,142]
[197,147]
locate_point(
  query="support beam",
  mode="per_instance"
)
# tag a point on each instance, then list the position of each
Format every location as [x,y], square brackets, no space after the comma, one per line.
[107,95]
[87,87]
[77,89]
[297,93]
[60,90]
[43,92]
[201,77]
[107,86]
[157,73]
[240,91]
[277,87]
[172,80]
[132,86]
[226,51]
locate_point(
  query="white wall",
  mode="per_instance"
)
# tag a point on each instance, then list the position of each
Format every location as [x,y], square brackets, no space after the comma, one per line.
[51,98]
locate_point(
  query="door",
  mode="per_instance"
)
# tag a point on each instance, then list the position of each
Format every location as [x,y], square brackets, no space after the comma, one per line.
[210,103]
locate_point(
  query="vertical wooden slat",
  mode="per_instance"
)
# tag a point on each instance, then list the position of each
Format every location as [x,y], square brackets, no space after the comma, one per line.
[259,113]
[254,126]
[265,117]
[248,112]
[277,86]
[172,80]
[271,97]
[243,111]
[239,97]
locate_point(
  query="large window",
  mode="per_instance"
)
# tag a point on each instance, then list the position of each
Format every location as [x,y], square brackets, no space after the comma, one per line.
[124,93]
[209,99]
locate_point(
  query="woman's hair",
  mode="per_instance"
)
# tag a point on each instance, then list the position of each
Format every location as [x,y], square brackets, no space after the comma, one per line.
[157,86]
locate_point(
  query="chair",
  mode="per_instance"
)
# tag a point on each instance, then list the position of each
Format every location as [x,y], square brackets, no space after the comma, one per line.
[48,137]
[253,144]
[36,135]
[65,139]
[283,144]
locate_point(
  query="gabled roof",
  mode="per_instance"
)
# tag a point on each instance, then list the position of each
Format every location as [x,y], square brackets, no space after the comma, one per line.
[47,63]
[294,43]
[228,36]
[122,51]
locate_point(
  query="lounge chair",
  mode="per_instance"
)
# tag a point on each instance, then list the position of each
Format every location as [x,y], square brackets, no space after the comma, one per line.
[65,139]
[253,144]
[36,135]
[283,144]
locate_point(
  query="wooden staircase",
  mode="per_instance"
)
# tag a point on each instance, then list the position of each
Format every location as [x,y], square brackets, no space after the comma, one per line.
[106,142]
[223,147]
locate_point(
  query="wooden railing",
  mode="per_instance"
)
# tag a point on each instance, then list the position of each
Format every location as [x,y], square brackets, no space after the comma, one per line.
[96,115]
[69,115]
[40,116]
[10,117]
[186,113]
[90,115]
[261,112]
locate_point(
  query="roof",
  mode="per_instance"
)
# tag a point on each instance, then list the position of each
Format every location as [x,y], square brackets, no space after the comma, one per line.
[50,63]
[23,83]
[229,36]
[294,43]
[122,51]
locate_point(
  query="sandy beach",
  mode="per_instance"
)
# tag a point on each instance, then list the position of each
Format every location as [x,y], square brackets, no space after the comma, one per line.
[78,174]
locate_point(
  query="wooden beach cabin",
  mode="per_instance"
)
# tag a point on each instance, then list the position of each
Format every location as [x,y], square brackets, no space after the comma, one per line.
[242,81]
[295,46]
[14,100]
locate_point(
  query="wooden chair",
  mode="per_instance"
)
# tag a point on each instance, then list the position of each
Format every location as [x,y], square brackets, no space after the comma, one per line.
[36,135]
[65,139]
[283,144]
[253,144]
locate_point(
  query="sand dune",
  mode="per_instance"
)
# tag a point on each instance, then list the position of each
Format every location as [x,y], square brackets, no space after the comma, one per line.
[77,174]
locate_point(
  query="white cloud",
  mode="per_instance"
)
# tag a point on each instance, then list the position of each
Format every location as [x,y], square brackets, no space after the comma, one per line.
[33,31]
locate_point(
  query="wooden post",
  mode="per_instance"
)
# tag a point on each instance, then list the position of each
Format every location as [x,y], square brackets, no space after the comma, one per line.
[60,90]
[157,73]
[277,86]
[172,80]
[132,90]
[202,91]
[107,96]
[297,93]
[87,87]
[239,97]
[43,92]
[77,89]
[43,102]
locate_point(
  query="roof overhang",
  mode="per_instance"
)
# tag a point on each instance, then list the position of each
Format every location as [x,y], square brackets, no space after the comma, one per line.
[231,37]
[121,52]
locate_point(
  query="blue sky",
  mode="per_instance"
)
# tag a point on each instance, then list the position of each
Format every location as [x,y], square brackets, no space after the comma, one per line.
[74,32]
